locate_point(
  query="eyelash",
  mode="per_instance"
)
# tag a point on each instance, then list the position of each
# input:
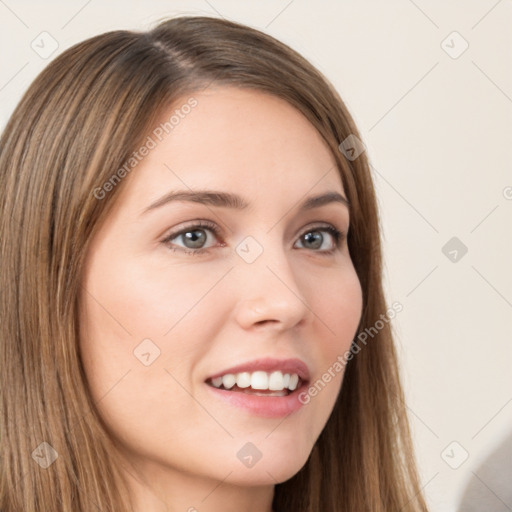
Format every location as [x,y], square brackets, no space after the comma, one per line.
[338,236]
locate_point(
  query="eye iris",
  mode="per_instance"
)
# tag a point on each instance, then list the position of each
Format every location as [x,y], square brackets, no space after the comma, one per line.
[197,241]
[314,236]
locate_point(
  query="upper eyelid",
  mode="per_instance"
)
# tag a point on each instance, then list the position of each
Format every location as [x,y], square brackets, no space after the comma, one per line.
[198,224]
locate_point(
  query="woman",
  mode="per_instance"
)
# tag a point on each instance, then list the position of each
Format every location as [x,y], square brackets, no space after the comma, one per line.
[191,260]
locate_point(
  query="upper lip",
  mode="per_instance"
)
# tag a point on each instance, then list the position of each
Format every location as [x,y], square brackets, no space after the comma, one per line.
[269,364]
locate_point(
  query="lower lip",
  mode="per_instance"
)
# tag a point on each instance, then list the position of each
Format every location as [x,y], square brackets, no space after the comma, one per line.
[266,406]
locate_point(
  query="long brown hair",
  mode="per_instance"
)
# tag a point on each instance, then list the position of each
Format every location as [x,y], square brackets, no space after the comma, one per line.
[77,124]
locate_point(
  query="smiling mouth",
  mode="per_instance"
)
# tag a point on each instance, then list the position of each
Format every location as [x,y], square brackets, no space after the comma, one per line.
[265,394]
[283,387]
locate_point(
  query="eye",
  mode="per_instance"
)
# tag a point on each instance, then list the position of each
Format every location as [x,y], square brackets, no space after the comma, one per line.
[195,236]
[314,239]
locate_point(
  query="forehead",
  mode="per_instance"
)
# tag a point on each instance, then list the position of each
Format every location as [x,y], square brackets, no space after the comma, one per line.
[236,140]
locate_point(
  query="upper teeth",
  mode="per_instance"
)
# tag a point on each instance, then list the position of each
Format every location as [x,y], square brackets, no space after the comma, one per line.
[258,380]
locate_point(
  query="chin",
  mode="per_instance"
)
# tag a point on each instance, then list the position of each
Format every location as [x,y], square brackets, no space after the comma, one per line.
[274,470]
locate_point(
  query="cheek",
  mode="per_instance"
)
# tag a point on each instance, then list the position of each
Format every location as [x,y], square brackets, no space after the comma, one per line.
[137,313]
[141,334]
[338,307]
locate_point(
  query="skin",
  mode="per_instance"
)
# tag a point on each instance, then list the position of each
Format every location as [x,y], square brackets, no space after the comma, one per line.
[208,312]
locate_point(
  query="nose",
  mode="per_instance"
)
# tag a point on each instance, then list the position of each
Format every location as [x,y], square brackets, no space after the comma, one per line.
[269,293]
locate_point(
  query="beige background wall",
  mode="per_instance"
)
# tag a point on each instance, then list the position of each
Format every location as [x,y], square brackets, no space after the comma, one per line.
[436,118]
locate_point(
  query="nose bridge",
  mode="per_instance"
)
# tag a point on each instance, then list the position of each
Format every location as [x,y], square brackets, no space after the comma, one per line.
[269,286]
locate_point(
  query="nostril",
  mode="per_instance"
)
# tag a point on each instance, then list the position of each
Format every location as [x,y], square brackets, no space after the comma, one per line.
[265,321]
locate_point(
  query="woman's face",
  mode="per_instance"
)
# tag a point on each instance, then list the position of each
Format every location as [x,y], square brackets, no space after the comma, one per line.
[169,304]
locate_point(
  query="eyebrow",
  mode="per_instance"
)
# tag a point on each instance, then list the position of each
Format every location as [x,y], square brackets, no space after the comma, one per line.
[230,200]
